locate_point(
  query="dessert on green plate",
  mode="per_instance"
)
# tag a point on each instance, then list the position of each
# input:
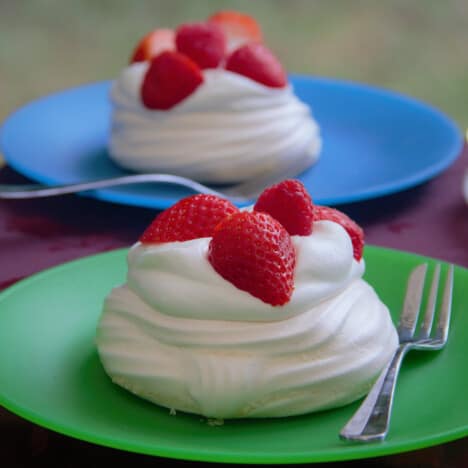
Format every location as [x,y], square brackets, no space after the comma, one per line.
[236,313]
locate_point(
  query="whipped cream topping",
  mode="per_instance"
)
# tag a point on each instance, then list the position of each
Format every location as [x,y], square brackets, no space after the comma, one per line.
[324,266]
[180,335]
[229,129]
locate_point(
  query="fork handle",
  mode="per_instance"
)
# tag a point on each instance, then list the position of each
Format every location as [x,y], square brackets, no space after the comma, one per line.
[371,420]
[41,191]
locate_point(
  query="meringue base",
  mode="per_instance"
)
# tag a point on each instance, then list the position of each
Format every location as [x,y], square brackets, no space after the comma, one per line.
[231,129]
[326,357]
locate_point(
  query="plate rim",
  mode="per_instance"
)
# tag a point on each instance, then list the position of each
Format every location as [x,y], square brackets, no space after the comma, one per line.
[452,152]
[350,452]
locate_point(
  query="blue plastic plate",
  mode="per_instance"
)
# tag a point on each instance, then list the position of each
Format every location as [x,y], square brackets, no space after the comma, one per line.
[375,142]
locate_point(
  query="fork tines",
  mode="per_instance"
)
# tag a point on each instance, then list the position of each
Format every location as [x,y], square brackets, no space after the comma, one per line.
[413,302]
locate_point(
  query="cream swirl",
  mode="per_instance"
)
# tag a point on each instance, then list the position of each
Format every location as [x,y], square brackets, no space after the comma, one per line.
[231,128]
[198,344]
[325,265]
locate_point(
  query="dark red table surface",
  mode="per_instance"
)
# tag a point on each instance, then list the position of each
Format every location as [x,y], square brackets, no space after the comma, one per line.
[431,219]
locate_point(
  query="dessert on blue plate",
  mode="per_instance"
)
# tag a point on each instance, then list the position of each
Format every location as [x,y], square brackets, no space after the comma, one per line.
[209,101]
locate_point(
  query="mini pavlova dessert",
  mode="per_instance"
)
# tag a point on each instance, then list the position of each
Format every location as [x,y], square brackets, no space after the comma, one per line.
[260,312]
[211,102]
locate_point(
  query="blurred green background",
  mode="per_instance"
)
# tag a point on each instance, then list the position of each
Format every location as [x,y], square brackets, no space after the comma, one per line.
[417,47]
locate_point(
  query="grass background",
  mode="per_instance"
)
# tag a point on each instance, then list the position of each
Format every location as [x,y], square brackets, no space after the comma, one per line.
[417,47]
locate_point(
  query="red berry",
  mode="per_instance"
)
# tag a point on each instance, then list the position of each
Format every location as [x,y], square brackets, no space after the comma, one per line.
[239,28]
[170,78]
[290,204]
[190,218]
[258,63]
[255,253]
[204,43]
[152,44]
[354,230]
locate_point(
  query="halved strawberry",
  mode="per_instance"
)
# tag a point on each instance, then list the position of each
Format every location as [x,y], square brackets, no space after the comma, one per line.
[204,43]
[255,253]
[354,230]
[152,44]
[170,78]
[290,204]
[190,218]
[238,27]
[258,63]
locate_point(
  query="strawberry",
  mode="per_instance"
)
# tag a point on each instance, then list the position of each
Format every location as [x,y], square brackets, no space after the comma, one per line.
[239,28]
[152,44]
[290,204]
[192,217]
[258,63]
[255,253]
[170,78]
[204,43]
[355,231]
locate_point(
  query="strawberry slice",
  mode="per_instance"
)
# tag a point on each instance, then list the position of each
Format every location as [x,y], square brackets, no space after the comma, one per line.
[354,230]
[290,204]
[152,44]
[239,28]
[204,43]
[190,218]
[170,78]
[258,63]
[255,253]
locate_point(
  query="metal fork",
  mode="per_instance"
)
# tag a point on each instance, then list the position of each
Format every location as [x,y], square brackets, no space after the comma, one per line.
[239,193]
[371,420]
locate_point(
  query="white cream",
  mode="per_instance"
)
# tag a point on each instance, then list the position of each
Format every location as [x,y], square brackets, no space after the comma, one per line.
[231,128]
[180,335]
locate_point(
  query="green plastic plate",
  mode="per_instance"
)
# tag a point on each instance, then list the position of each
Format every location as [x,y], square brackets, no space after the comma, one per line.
[50,374]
